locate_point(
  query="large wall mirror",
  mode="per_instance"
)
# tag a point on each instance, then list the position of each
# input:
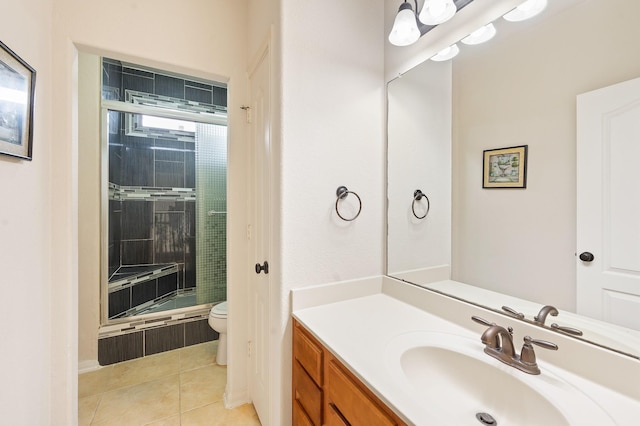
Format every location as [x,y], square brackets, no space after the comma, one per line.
[518,248]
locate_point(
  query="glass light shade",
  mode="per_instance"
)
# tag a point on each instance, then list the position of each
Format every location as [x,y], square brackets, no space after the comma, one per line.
[446,53]
[405,28]
[480,35]
[526,10]
[436,12]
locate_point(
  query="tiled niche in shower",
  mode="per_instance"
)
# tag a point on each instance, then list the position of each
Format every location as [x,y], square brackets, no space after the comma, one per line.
[153,196]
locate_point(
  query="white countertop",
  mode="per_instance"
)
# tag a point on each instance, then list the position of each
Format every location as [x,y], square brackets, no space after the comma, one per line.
[358,331]
[365,327]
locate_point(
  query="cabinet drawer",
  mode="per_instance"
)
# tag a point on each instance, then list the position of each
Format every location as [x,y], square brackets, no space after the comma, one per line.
[334,418]
[351,400]
[300,418]
[308,352]
[307,395]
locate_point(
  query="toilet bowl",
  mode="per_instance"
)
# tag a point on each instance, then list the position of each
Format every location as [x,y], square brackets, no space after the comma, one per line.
[218,321]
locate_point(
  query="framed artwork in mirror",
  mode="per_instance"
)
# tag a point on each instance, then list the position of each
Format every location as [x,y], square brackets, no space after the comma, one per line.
[505,167]
[17,91]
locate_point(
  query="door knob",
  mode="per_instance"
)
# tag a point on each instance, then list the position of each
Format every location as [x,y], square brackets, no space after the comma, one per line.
[586,256]
[264,267]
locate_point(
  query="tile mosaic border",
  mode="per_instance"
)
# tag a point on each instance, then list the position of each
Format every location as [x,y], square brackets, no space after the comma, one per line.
[148,193]
[129,327]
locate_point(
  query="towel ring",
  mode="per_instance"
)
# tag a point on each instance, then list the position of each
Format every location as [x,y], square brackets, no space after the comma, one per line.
[417,196]
[342,192]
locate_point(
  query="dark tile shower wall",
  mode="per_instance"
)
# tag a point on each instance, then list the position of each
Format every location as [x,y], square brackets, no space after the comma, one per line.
[151,232]
[115,236]
[153,340]
[122,300]
[148,232]
[117,78]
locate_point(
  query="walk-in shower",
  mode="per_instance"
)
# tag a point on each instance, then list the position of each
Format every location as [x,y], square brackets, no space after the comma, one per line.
[164,190]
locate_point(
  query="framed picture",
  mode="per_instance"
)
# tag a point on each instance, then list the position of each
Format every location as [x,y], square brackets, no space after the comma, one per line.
[505,167]
[17,91]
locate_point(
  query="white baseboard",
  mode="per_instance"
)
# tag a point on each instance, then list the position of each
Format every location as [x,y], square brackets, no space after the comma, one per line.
[239,398]
[88,365]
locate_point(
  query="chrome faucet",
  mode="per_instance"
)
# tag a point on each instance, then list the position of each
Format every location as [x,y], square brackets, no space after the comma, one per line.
[498,343]
[542,315]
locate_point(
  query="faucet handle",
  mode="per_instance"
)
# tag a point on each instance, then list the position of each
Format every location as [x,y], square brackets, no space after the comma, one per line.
[482,321]
[567,330]
[542,343]
[528,355]
[513,312]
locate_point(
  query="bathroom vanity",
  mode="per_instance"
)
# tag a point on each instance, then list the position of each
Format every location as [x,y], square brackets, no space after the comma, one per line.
[407,355]
[326,392]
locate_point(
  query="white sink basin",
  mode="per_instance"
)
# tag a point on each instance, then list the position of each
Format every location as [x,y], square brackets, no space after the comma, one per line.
[453,380]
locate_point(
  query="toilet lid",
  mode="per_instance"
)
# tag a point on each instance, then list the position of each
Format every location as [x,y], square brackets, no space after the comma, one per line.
[220,309]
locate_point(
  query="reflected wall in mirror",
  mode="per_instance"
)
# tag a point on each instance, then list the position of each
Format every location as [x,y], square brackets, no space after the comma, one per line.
[419,125]
[515,247]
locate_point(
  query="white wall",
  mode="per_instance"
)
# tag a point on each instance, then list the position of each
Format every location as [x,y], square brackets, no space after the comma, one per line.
[328,132]
[520,90]
[332,134]
[419,157]
[26,233]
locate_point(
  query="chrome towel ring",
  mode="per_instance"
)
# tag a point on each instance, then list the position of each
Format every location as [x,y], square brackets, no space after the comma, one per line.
[342,192]
[417,196]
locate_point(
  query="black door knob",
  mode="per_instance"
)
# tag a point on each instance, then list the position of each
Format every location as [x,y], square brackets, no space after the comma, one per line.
[586,257]
[264,267]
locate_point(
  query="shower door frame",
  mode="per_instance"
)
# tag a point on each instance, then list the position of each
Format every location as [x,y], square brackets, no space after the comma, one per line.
[130,108]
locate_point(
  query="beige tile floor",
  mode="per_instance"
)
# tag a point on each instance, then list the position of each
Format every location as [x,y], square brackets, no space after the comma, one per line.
[183,387]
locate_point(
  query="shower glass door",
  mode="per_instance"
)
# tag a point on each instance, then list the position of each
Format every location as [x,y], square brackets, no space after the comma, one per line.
[166,213]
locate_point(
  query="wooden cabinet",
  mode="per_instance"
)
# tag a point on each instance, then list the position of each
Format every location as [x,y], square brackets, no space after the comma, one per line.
[325,392]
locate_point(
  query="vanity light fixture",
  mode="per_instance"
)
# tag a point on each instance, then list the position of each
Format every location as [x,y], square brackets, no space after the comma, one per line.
[480,35]
[436,12]
[409,26]
[405,28]
[526,10]
[446,53]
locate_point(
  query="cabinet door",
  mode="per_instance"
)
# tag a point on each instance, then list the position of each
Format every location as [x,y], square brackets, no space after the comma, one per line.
[351,400]
[307,395]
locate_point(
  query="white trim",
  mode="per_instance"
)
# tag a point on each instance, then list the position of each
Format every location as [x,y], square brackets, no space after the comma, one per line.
[309,297]
[88,366]
[240,397]
[163,112]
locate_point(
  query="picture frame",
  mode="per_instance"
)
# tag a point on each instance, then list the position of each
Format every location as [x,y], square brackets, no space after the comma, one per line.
[17,95]
[505,167]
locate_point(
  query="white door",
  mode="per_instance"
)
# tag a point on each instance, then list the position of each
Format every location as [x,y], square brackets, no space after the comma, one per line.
[259,232]
[608,203]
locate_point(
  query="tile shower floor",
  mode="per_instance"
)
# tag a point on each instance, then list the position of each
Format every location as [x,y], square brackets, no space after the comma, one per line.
[181,387]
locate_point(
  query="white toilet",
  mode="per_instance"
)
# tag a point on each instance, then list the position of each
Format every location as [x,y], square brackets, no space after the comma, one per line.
[218,321]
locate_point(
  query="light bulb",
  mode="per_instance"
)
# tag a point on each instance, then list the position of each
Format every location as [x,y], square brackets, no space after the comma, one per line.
[405,28]
[436,12]
[446,53]
[480,35]
[526,10]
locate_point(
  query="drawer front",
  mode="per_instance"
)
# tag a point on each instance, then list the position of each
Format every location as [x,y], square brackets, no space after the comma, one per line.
[334,418]
[351,401]
[300,418]
[308,352]
[307,394]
